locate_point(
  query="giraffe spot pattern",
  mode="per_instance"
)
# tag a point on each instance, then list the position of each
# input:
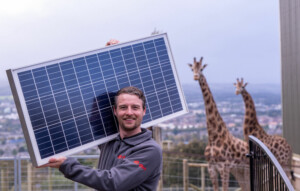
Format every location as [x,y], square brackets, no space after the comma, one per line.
[247,121]
[219,128]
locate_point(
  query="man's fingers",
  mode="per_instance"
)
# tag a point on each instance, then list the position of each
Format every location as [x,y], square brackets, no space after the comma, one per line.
[111,42]
[54,162]
[51,160]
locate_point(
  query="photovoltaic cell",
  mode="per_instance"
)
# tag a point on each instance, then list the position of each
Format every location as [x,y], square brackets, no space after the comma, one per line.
[65,105]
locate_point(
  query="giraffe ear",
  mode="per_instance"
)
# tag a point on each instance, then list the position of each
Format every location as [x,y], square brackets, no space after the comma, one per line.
[234,84]
[245,84]
[204,66]
[190,65]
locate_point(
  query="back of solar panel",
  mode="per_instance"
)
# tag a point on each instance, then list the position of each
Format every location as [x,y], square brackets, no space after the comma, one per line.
[66,105]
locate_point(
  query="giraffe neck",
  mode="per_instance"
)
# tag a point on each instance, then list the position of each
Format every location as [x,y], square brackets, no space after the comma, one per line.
[215,125]
[251,125]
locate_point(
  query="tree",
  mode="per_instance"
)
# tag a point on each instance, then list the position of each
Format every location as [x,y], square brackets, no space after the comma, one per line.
[14,152]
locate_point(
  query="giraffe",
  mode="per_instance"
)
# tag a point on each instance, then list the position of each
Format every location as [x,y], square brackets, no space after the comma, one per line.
[277,145]
[224,152]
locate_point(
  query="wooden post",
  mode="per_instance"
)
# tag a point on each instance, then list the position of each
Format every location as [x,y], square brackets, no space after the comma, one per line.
[29,176]
[202,178]
[156,135]
[4,182]
[202,166]
[185,175]
[49,179]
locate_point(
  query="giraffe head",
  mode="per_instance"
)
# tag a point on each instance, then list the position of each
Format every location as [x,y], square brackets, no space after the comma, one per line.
[240,86]
[197,68]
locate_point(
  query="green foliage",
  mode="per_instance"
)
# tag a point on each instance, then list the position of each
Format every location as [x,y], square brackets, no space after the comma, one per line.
[14,152]
[1,152]
[22,149]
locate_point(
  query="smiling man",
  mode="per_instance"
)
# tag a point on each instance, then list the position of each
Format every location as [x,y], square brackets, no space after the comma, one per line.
[132,161]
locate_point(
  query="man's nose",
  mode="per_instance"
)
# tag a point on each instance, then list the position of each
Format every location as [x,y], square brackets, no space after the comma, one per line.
[129,111]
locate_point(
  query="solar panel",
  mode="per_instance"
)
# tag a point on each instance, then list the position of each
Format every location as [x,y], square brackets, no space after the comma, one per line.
[65,105]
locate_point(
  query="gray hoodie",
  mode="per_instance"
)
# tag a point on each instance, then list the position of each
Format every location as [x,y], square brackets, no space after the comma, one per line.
[134,163]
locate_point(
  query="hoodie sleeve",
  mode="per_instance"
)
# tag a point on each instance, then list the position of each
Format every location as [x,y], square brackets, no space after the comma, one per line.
[133,170]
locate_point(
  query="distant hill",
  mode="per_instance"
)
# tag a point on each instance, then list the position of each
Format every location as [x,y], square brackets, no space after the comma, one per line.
[270,93]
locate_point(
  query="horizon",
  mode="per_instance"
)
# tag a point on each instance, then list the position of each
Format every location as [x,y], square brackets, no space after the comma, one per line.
[194,86]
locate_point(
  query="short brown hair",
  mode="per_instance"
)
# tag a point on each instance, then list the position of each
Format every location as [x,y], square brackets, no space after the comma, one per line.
[132,91]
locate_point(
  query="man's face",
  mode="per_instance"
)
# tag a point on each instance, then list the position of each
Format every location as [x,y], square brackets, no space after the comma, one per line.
[129,112]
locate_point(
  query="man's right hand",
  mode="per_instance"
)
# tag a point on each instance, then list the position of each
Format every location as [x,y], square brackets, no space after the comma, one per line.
[111,42]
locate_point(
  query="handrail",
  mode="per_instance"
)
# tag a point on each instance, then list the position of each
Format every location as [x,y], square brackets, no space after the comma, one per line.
[273,160]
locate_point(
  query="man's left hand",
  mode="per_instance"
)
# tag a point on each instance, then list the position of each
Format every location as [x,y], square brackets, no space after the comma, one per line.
[54,162]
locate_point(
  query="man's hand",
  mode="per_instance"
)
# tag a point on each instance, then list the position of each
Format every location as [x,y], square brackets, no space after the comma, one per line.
[54,162]
[111,42]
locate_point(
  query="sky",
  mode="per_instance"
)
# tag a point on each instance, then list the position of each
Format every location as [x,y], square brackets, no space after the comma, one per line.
[236,38]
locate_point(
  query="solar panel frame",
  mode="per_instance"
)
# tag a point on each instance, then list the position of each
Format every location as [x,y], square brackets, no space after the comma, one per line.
[35,70]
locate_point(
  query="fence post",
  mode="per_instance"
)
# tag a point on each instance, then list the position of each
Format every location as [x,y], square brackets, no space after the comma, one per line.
[19,173]
[251,156]
[15,173]
[4,176]
[270,175]
[75,186]
[202,178]
[49,179]
[2,179]
[29,176]
[156,135]
[185,175]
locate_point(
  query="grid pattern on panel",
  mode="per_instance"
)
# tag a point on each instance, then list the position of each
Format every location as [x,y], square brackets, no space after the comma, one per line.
[70,103]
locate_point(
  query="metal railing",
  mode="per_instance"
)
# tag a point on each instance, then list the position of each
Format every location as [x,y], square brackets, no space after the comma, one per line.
[18,174]
[265,171]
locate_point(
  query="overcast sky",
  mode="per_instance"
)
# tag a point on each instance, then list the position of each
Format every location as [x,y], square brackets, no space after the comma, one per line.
[236,38]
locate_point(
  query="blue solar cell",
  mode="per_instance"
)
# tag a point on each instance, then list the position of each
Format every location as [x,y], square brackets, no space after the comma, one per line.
[47,152]
[38,124]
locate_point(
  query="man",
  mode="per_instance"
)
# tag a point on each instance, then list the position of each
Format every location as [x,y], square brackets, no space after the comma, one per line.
[132,161]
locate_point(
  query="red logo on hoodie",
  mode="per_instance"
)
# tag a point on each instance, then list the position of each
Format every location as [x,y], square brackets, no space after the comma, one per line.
[140,165]
[135,162]
[121,157]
